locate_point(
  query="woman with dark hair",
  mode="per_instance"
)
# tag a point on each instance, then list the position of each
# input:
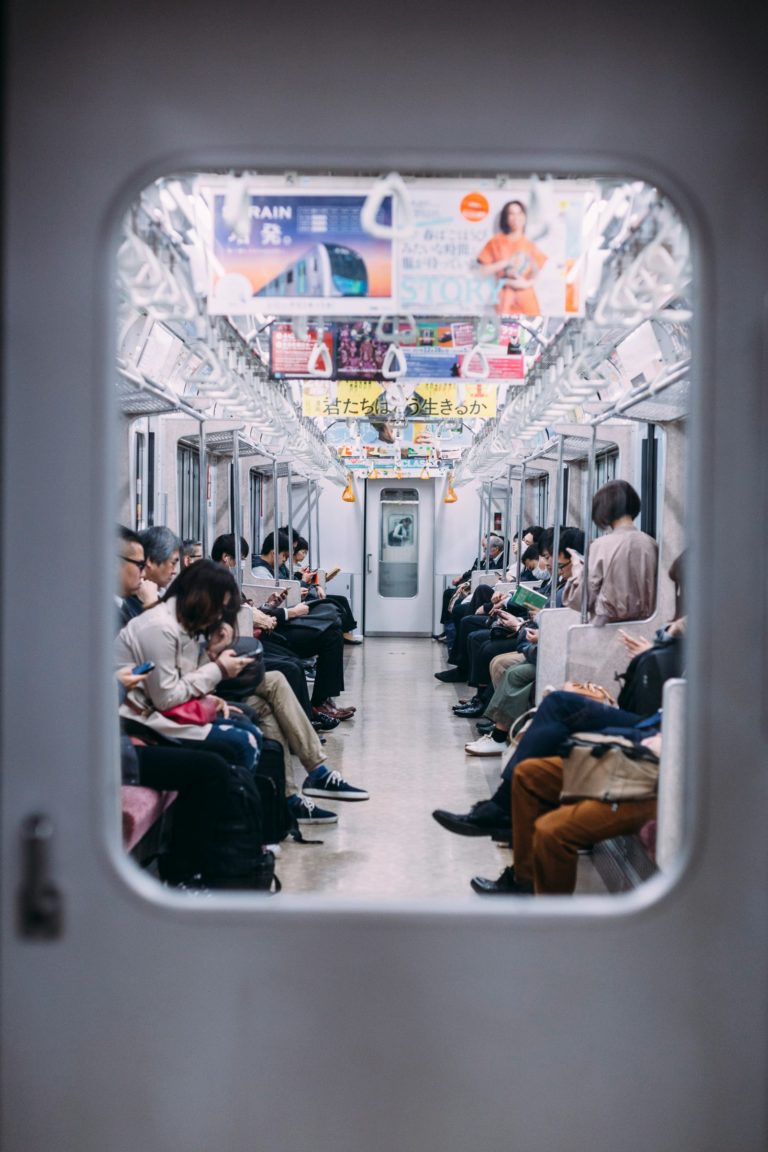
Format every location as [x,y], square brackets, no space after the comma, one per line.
[515,260]
[169,637]
[622,564]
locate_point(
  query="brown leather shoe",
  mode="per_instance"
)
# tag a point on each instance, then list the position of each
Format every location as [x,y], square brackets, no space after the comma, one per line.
[337,713]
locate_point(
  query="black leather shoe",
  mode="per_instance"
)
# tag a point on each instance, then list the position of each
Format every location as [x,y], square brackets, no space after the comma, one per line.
[323,723]
[506,885]
[484,819]
[484,726]
[474,708]
[452,676]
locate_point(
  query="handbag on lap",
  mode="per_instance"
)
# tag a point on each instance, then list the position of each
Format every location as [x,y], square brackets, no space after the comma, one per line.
[603,766]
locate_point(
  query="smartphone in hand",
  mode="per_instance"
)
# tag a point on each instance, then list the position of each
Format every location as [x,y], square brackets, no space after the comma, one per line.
[142,669]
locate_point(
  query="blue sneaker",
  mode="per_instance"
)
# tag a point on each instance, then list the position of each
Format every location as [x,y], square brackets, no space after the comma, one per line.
[307,812]
[331,785]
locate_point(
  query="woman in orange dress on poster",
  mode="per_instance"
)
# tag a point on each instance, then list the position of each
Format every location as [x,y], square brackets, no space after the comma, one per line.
[516,262]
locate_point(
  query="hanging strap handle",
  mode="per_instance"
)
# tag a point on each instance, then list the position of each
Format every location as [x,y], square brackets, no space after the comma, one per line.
[394,186]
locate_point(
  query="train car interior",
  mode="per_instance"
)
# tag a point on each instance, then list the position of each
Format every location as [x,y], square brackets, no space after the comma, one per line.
[395,419]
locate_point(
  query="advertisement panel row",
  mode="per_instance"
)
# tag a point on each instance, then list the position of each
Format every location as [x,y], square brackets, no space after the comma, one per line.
[454,248]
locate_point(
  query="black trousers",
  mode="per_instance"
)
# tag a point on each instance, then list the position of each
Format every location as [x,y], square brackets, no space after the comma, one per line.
[328,646]
[459,653]
[481,651]
[348,622]
[200,777]
[278,658]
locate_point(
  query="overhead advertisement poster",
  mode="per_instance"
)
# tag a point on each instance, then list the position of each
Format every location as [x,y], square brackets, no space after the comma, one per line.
[299,253]
[430,400]
[513,250]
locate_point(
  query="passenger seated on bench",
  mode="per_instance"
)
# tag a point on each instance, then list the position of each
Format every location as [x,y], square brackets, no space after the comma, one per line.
[130,551]
[302,573]
[161,553]
[274,707]
[309,632]
[548,835]
[483,647]
[553,721]
[622,564]
[189,552]
[496,562]
[277,655]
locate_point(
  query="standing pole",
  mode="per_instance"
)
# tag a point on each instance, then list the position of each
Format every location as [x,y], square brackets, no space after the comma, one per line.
[236,506]
[520,514]
[202,492]
[588,524]
[558,518]
[507,516]
[488,529]
[275,521]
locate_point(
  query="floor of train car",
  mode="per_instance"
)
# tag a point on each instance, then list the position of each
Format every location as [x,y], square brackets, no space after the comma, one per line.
[407,748]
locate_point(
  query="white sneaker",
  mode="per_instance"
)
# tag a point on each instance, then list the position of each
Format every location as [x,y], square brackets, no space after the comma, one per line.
[485,746]
[352,638]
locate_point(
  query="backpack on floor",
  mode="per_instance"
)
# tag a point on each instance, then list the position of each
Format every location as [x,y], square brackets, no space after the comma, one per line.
[277,821]
[643,681]
[235,856]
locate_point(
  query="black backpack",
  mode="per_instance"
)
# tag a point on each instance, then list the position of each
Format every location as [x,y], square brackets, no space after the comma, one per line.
[235,856]
[277,821]
[643,681]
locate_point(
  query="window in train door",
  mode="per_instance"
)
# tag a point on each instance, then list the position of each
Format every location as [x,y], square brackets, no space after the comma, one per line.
[399,543]
[257,495]
[188,479]
[542,500]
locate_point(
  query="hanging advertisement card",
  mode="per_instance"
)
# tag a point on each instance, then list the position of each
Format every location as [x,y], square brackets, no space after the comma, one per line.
[289,356]
[299,253]
[510,249]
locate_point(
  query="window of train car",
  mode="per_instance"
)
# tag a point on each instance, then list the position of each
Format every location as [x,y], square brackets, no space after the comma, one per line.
[517,345]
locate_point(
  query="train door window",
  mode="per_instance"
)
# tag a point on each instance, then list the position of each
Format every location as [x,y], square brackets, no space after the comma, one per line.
[188,492]
[541,496]
[257,509]
[144,479]
[139,469]
[242,280]
[564,505]
[399,542]
[606,464]
[649,481]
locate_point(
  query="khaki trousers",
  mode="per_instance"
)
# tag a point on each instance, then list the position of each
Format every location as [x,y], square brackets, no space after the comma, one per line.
[500,663]
[547,835]
[282,718]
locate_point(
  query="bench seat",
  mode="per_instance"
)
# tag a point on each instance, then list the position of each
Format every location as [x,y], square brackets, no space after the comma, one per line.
[141,807]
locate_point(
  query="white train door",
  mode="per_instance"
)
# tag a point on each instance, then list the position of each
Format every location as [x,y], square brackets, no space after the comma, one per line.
[135,1020]
[399,551]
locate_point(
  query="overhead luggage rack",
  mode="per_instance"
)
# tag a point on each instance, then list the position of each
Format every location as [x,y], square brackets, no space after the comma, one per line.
[662,407]
[142,399]
[223,444]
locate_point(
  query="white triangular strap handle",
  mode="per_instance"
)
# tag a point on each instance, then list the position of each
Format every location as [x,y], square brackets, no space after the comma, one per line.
[395,364]
[482,372]
[319,363]
[488,327]
[402,209]
[236,209]
[394,333]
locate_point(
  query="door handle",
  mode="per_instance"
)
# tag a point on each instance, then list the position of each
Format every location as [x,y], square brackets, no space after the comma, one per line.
[368,563]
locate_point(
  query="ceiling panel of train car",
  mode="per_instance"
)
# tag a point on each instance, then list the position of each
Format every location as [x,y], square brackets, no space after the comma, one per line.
[410,324]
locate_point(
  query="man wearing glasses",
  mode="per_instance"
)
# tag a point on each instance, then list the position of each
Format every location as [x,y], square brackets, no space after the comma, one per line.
[130,552]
